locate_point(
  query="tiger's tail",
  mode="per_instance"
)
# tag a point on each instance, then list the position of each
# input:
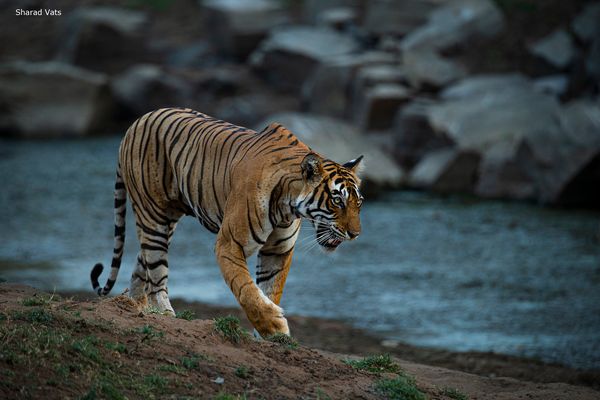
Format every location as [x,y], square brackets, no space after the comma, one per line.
[120,209]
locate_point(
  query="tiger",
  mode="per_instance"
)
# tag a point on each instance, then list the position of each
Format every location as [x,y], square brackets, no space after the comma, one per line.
[252,189]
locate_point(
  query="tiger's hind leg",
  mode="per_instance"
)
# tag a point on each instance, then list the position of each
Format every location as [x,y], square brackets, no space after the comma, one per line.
[139,280]
[154,265]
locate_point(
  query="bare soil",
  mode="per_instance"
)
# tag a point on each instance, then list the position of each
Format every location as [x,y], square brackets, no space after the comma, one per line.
[52,347]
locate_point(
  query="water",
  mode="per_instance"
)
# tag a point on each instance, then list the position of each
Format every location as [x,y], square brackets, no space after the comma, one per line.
[449,273]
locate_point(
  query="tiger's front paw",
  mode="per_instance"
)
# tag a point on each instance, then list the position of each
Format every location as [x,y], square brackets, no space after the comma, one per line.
[272,321]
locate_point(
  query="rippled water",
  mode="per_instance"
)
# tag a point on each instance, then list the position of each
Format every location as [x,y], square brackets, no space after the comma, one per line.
[461,275]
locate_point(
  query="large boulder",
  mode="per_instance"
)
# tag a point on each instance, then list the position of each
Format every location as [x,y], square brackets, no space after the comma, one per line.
[339,141]
[329,90]
[585,25]
[51,99]
[414,137]
[427,69]
[290,55]
[106,39]
[454,22]
[567,169]
[390,17]
[378,105]
[557,49]
[236,27]
[446,171]
[146,87]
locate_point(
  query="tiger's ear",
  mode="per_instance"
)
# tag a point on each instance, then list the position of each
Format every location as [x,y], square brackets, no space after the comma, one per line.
[312,170]
[354,165]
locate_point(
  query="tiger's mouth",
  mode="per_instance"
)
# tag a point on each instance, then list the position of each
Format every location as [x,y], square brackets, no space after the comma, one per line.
[328,239]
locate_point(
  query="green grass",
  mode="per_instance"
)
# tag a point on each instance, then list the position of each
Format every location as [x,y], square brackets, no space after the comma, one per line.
[402,387]
[454,394]
[226,396]
[156,382]
[230,328]
[116,346]
[186,314]
[87,347]
[176,369]
[375,364]
[191,362]
[41,299]
[149,332]
[37,315]
[242,372]
[284,339]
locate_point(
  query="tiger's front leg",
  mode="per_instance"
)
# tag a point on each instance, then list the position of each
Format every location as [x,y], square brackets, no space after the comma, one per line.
[266,316]
[275,259]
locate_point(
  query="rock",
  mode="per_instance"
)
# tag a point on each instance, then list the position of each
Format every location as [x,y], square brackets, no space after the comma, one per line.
[479,85]
[385,17]
[426,68]
[448,170]
[341,142]
[106,39]
[586,25]
[556,85]
[52,99]
[566,169]
[501,176]
[338,18]
[248,109]
[146,87]
[329,90]
[413,135]
[379,105]
[290,55]
[479,111]
[236,27]
[592,62]
[313,10]
[196,55]
[557,49]
[455,22]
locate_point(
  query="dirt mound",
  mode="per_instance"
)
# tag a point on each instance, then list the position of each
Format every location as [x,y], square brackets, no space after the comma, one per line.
[52,347]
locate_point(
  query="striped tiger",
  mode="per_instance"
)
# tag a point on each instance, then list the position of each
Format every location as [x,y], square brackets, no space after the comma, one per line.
[250,188]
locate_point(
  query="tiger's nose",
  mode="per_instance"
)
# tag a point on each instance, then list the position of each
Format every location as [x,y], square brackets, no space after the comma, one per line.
[352,234]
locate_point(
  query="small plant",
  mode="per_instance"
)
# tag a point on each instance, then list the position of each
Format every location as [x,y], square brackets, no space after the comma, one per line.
[454,394]
[375,364]
[40,299]
[402,387]
[242,372]
[284,339]
[87,347]
[176,369]
[186,314]
[227,396]
[190,362]
[229,327]
[149,332]
[156,382]
[150,309]
[37,315]
[321,395]
[116,346]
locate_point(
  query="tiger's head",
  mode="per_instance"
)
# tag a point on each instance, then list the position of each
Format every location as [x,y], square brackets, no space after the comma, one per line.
[332,199]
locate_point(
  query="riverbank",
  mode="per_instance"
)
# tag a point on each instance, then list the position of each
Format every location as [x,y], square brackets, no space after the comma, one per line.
[59,347]
[339,337]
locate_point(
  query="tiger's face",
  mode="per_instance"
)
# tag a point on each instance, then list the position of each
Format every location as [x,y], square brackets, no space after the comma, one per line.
[333,204]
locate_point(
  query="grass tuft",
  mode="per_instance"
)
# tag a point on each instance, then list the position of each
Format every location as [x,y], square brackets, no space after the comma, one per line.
[37,315]
[230,328]
[116,346]
[227,396]
[454,394]
[402,387]
[188,315]
[149,332]
[87,347]
[242,372]
[40,299]
[284,339]
[375,364]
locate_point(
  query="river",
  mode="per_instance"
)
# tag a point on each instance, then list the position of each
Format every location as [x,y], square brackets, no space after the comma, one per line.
[454,273]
